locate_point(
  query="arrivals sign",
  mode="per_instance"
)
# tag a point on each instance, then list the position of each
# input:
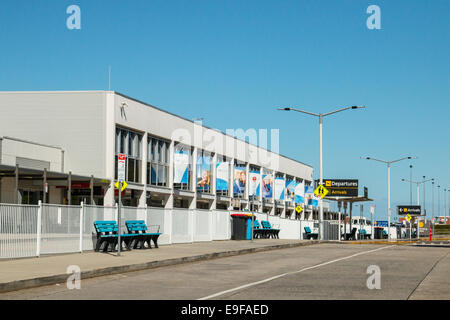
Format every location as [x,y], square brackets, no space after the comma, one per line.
[413,210]
[340,187]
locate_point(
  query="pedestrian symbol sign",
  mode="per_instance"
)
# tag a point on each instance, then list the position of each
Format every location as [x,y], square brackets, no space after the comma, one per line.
[408,217]
[124,185]
[321,191]
[298,209]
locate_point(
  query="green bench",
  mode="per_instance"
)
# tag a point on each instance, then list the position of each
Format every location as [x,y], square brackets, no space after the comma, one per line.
[107,236]
[309,234]
[139,229]
[269,230]
[364,235]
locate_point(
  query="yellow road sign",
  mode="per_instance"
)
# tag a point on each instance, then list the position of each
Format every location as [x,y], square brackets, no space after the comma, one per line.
[298,209]
[408,217]
[124,185]
[321,191]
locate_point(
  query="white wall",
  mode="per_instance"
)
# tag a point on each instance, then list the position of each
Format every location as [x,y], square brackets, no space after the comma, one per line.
[11,149]
[73,121]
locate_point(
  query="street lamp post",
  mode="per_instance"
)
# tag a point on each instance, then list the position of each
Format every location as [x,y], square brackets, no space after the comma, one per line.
[439,201]
[389,185]
[432,205]
[320,116]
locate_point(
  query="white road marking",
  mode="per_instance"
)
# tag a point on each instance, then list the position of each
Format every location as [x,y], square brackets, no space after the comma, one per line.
[293,272]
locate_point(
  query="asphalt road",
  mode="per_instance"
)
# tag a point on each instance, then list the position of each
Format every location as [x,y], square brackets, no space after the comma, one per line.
[324,271]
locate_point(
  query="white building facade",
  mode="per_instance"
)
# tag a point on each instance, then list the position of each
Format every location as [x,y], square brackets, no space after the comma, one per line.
[171,162]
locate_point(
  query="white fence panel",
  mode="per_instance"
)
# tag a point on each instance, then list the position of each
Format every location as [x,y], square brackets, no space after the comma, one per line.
[221,225]
[182,226]
[289,229]
[156,223]
[203,225]
[18,230]
[60,232]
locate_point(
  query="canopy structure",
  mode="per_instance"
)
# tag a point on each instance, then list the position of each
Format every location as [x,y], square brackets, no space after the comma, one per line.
[65,179]
[346,201]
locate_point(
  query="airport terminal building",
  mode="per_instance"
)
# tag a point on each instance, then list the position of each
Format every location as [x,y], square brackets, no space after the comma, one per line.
[62,148]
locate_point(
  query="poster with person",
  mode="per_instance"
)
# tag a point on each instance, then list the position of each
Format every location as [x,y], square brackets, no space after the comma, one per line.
[310,197]
[239,181]
[267,186]
[290,190]
[203,173]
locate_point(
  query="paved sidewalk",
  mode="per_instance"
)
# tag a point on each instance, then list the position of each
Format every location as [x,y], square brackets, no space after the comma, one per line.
[32,272]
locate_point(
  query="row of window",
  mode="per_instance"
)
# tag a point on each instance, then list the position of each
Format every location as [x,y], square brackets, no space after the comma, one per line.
[158,158]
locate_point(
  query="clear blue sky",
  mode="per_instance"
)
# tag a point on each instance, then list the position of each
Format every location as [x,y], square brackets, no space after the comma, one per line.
[243,59]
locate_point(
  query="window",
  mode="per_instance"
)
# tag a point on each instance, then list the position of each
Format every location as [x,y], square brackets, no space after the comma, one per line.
[129,143]
[158,162]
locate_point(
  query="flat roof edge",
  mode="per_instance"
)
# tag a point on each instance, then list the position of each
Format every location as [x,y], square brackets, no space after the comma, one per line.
[214,129]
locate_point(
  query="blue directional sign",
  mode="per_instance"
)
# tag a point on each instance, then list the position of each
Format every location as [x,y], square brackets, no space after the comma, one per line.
[381,223]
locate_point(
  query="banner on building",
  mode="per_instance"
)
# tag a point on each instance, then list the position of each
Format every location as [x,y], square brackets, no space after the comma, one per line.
[300,192]
[223,175]
[279,186]
[204,173]
[310,198]
[290,190]
[181,165]
[254,183]
[267,186]
[240,178]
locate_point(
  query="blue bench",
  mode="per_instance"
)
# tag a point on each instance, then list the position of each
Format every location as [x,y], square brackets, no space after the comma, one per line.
[108,237]
[140,230]
[309,234]
[258,231]
[270,232]
[364,235]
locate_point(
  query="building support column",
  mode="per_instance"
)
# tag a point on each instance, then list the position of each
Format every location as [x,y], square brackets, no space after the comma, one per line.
[45,187]
[69,189]
[16,186]
[91,186]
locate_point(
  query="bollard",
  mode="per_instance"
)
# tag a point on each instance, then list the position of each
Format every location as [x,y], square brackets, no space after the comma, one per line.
[431,232]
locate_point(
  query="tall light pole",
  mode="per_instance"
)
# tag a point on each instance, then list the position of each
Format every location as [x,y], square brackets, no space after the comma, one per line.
[432,205]
[439,201]
[389,185]
[410,185]
[321,116]
[445,207]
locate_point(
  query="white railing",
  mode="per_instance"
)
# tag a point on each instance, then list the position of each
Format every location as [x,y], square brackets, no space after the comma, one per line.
[18,230]
[32,230]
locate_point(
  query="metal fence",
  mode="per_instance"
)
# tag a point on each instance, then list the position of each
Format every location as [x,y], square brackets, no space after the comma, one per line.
[18,230]
[29,231]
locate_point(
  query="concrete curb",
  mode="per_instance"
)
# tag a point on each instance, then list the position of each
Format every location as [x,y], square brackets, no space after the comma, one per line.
[62,278]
